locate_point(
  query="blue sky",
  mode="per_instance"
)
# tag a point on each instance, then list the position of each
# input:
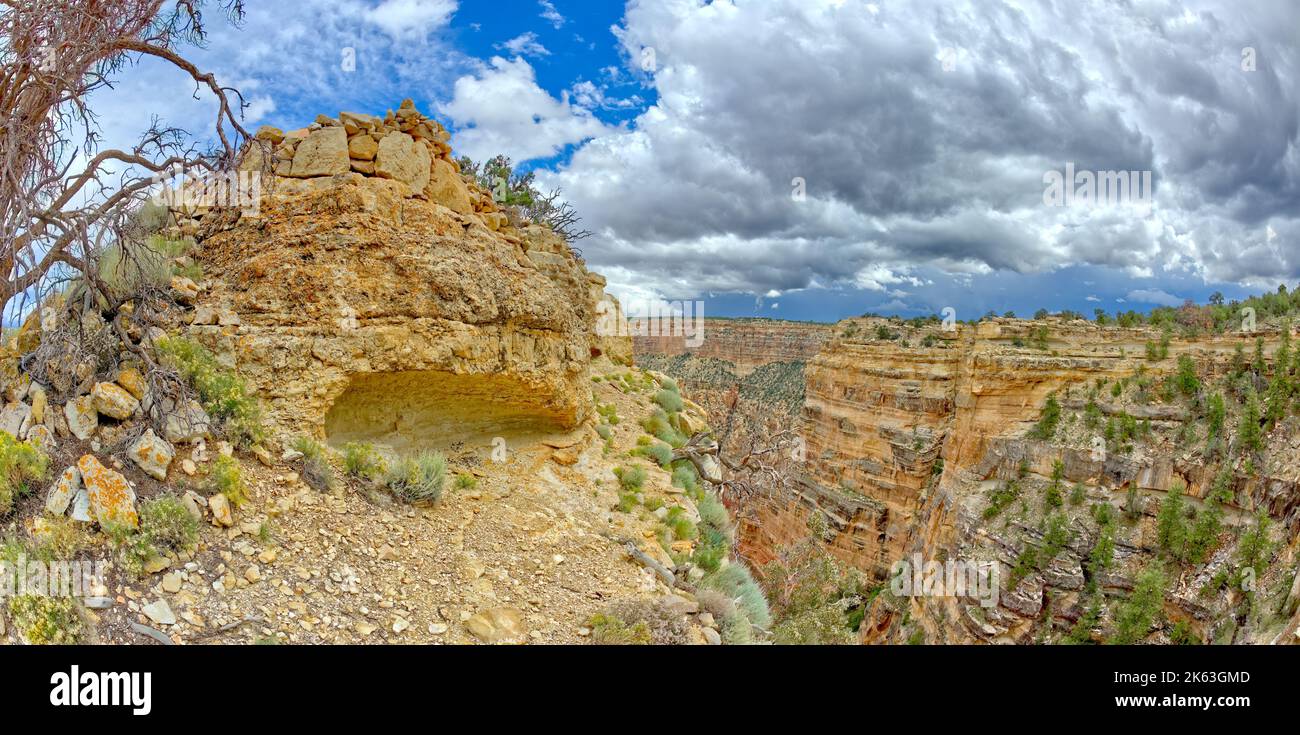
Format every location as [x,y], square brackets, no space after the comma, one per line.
[922,132]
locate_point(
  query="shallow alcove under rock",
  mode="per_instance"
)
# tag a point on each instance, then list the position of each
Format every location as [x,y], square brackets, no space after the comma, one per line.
[408,411]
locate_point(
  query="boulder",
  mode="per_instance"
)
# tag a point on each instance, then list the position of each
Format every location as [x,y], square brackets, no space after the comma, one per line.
[82,417]
[114,401]
[13,416]
[63,491]
[159,612]
[204,315]
[184,290]
[400,158]
[497,625]
[323,153]
[363,147]
[40,401]
[187,423]
[222,515]
[270,133]
[112,500]
[40,435]
[447,188]
[81,506]
[360,121]
[132,381]
[152,454]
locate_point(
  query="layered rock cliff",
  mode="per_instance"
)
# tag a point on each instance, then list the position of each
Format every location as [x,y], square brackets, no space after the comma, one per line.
[745,343]
[380,305]
[911,436]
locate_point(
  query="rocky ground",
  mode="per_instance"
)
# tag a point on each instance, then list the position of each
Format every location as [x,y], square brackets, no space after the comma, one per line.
[527,554]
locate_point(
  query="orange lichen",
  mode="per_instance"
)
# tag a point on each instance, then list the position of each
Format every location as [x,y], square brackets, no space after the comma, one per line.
[111,498]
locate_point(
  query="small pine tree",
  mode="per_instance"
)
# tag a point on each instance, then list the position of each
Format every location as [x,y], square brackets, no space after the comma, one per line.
[1248,433]
[1134,618]
[1215,414]
[1051,417]
[1171,524]
[1186,380]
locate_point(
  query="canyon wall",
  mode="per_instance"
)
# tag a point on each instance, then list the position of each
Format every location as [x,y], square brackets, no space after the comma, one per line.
[907,436]
[746,343]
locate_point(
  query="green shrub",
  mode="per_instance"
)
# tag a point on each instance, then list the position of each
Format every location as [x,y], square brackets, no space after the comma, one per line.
[608,412]
[61,538]
[361,460]
[640,622]
[713,512]
[669,400]
[610,630]
[225,478]
[686,478]
[22,466]
[133,548]
[736,629]
[1103,552]
[710,552]
[46,620]
[224,394]
[1183,635]
[167,525]
[626,502]
[466,481]
[1001,497]
[631,478]
[660,453]
[735,580]
[313,466]
[682,528]
[1077,494]
[418,479]
[1215,415]
[1254,549]
[658,425]
[1082,631]
[1248,432]
[605,432]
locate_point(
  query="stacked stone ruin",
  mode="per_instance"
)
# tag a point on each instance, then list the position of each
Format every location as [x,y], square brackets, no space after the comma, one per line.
[403,146]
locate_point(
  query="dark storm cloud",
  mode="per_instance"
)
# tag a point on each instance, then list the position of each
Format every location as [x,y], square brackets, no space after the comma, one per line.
[923,130]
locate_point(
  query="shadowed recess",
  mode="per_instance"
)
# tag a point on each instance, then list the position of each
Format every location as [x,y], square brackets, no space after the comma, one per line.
[432,409]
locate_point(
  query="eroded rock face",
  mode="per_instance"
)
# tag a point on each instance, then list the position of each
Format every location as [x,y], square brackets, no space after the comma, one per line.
[367,314]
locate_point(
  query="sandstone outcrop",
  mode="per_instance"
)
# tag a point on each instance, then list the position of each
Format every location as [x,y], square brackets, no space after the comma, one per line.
[368,310]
